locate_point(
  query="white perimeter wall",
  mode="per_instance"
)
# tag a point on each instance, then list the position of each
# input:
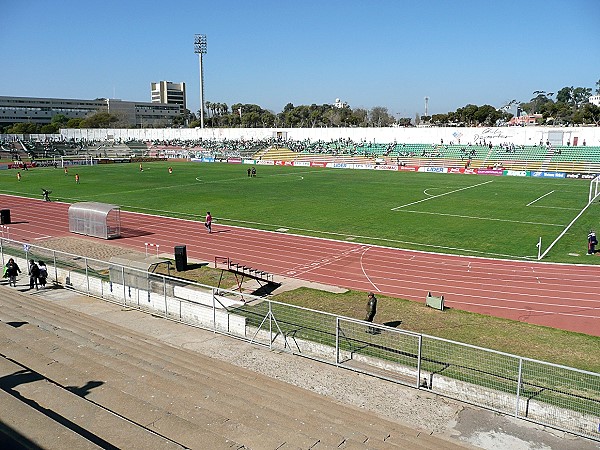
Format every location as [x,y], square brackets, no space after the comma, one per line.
[496,135]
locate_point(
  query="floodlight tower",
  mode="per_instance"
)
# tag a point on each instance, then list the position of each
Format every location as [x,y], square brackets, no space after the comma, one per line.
[200,49]
[426,106]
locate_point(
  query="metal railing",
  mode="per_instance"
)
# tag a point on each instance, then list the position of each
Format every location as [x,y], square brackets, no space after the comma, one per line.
[561,397]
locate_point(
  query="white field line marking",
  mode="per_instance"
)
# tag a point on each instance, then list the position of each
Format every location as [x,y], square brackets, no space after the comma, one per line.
[483,218]
[564,231]
[362,267]
[441,195]
[539,198]
[197,179]
[555,207]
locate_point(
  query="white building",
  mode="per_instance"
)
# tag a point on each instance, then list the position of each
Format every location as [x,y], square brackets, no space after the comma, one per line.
[168,93]
[340,104]
[595,100]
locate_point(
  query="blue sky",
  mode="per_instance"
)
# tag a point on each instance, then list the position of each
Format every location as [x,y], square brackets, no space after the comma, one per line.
[390,53]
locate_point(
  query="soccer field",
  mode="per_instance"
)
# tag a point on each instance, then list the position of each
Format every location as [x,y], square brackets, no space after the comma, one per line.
[462,214]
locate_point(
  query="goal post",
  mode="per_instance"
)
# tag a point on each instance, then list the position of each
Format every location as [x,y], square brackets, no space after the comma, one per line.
[594,189]
[69,161]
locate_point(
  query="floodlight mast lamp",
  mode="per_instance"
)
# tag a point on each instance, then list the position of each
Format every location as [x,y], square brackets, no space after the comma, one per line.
[200,49]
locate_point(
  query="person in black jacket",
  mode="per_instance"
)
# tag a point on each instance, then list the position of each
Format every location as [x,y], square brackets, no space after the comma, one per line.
[34,273]
[592,242]
[371,311]
[11,271]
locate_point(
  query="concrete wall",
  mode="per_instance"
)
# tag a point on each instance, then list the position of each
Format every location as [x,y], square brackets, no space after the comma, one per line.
[497,135]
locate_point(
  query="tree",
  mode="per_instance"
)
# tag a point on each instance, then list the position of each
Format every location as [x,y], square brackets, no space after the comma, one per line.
[487,115]
[74,122]
[23,128]
[360,117]
[60,119]
[565,95]
[541,97]
[598,87]
[588,114]
[380,117]
[417,119]
[466,114]
[404,122]
[49,128]
[581,95]
[179,120]
[99,120]
[439,119]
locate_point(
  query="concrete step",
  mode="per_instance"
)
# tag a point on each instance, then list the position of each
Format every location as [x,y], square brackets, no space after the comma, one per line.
[100,392]
[272,410]
[256,408]
[24,425]
[257,429]
[71,418]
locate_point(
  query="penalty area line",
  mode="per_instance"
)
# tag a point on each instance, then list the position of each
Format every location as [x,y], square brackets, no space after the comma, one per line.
[539,198]
[440,195]
[493,219]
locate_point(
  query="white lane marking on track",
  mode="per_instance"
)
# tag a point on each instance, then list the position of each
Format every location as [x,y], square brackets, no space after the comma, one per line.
[362,267]
[307,267]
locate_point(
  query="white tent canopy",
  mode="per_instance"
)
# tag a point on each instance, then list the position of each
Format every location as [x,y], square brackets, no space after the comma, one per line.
[95,219]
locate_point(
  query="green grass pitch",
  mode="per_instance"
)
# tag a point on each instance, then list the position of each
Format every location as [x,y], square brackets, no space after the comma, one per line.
[450,213]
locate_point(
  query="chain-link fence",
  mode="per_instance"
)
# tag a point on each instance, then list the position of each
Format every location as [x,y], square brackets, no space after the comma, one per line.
[561,397]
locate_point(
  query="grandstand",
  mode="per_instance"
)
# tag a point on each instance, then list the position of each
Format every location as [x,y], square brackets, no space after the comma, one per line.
[474,155]
[547,158]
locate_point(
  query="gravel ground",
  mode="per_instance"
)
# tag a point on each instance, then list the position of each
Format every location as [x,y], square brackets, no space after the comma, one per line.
[84,247]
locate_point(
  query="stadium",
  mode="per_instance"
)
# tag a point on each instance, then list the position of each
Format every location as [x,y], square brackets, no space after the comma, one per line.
[456,225]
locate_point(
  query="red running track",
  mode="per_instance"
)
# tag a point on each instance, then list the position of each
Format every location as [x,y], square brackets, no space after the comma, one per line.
[555,295]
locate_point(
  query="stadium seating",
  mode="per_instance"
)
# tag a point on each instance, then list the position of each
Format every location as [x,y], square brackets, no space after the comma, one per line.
[585,159]
[100,381]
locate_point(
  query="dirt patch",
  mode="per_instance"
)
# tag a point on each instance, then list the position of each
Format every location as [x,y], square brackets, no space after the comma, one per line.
[83,247]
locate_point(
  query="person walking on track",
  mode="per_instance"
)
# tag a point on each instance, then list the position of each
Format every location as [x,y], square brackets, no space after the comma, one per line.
[208,221]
